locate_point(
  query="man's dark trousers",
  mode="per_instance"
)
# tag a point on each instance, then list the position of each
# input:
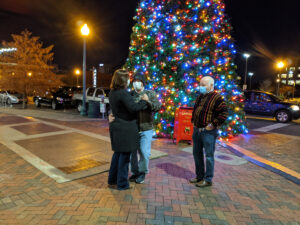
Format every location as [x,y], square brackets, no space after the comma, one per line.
[207,140]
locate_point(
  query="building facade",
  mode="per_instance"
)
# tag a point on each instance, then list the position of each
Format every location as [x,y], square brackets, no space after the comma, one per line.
[291,74]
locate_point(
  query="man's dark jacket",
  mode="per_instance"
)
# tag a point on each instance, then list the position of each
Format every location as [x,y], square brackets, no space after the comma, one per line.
[145,117]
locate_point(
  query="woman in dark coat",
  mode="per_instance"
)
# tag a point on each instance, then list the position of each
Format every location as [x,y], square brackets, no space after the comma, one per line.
[124,129]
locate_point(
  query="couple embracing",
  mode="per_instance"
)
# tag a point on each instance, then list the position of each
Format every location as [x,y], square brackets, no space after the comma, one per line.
[131,129]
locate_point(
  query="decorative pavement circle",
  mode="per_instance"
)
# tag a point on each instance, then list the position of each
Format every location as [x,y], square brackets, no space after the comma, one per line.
[223,157]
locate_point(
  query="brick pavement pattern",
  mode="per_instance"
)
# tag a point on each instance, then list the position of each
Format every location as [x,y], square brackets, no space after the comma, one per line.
[283,149]
[245,194]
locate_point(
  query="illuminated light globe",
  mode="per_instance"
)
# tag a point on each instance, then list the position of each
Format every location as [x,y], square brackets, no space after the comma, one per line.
[85,31]
[175,43]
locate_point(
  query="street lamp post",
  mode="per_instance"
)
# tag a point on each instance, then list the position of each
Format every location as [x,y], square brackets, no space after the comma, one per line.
[251,75]
[294,83]
[279,65]
[277,86]
[246,56]
[85,32]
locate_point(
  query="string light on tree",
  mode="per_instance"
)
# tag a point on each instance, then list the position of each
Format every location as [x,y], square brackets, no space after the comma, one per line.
[175,43]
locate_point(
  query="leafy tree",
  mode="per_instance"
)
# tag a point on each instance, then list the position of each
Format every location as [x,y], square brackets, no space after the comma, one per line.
[29,69]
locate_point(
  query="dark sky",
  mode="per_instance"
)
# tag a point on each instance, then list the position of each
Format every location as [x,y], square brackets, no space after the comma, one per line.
[268,28]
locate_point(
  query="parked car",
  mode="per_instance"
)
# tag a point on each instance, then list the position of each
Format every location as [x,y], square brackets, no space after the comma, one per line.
[267,104]
[96,94]
[11,97]
[55,98]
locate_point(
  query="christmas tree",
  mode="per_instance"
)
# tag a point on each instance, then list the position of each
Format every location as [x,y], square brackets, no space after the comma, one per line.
[174,44]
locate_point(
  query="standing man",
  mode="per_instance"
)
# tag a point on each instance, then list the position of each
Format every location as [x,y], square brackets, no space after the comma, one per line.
[140,168]
[210,112]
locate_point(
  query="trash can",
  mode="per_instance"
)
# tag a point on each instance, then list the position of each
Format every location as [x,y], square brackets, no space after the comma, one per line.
[94,109]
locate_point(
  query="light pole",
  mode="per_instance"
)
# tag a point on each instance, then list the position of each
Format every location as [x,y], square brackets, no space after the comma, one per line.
[294,83]
[279,65]
[277,86]
[246,56]
[77,73]
[85,31]
[251,75]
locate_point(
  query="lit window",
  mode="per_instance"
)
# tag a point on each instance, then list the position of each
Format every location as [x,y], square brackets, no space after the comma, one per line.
[283,81]
[292,68]
[291,75]
[299,75]
[297,81]
[290,82]
[283,75]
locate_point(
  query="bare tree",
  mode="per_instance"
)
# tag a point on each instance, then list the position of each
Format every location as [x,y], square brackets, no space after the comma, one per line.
[266,85]
[29,69]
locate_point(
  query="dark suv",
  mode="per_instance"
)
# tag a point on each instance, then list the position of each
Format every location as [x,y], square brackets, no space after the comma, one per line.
[267,104]
[56,98]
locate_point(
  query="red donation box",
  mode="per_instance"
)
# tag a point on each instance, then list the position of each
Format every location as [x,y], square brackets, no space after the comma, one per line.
[183,127]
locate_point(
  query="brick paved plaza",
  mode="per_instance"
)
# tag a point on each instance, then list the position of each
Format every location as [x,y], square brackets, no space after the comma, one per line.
[56,183]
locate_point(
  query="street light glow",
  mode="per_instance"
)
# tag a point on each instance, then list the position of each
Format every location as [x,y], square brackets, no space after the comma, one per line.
[280,65]
[85,31]
[29,74]
[246,55]
[77,71]
[250,74]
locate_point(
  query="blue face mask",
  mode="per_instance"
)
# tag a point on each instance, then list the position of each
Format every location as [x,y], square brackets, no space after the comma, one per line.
[203,90]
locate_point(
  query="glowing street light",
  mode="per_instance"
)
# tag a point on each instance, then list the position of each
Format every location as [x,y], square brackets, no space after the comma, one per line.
[85,31]
[279,65]
[29,74]
[246,56]
[77,73]
[250,75]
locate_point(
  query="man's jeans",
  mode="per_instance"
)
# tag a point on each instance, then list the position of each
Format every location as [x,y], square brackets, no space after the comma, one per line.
[207,140]
[142,166]
[118,172]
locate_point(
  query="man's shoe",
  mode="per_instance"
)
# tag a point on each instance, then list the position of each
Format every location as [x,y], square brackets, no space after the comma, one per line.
[140,179]
[194,180]
[204,183]
[133,177]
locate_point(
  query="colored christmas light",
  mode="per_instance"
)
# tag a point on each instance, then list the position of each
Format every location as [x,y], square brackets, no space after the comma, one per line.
[174,44]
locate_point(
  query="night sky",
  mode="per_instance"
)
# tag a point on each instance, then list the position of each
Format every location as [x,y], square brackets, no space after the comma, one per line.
[269,29]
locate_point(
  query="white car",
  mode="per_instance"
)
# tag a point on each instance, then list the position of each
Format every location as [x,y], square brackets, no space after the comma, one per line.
[96,94]
[11,97]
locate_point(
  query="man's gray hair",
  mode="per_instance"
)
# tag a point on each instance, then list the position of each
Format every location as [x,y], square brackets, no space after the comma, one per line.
[209,80]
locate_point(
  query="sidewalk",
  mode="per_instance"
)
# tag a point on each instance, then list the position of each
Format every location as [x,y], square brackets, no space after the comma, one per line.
[243,193]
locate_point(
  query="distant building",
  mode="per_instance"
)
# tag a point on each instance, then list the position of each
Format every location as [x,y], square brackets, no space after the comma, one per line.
[105,68]
[291,74]
[105,72]
[3,50]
